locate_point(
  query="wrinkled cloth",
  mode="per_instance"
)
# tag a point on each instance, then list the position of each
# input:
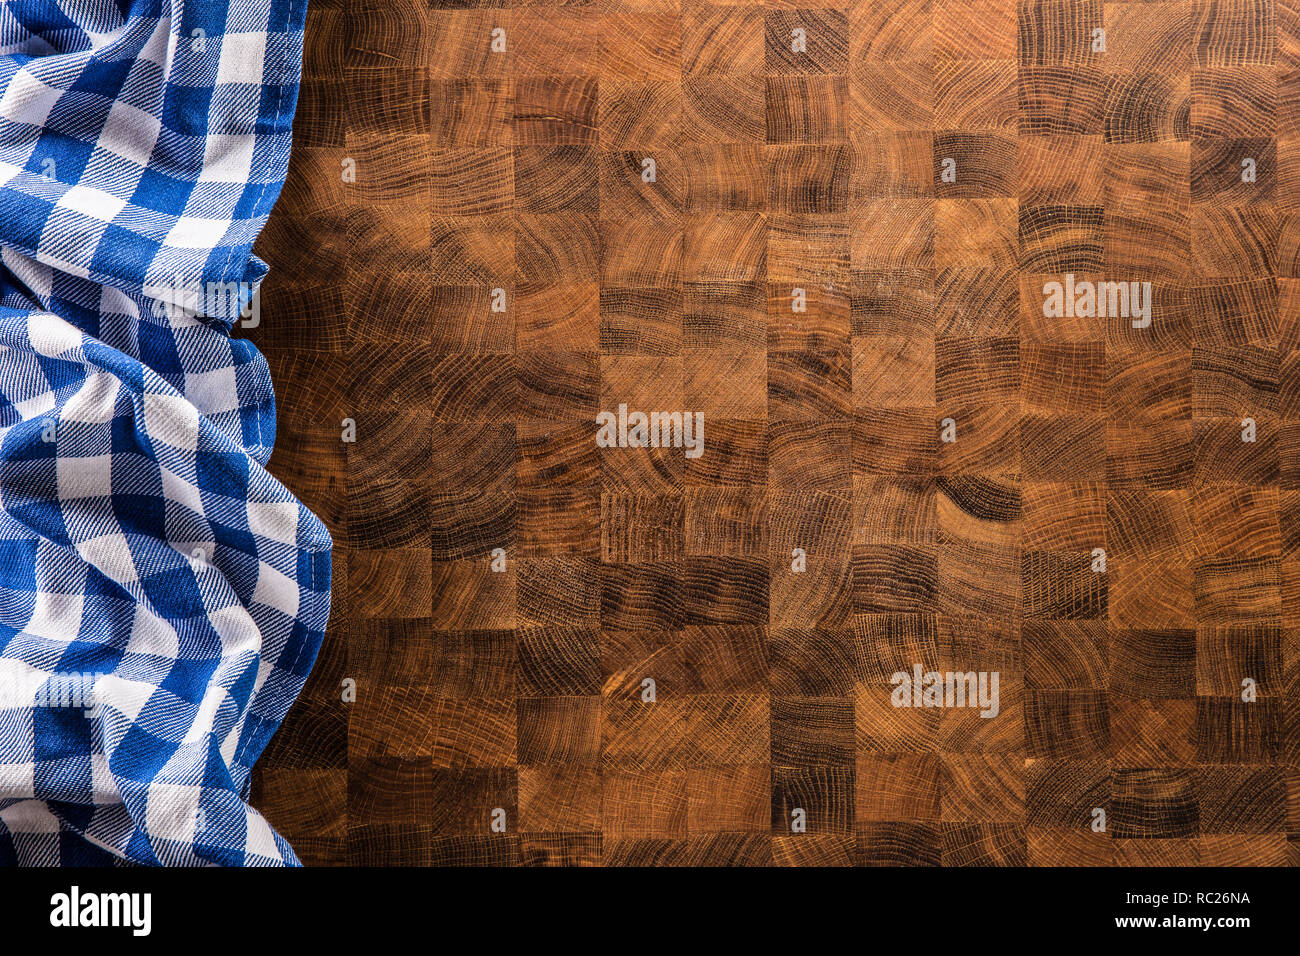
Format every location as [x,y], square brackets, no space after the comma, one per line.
[148,561]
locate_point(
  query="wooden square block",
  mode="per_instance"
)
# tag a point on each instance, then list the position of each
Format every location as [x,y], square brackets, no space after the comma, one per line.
[726,384]
[727,247]
[885,644]
[722,521]
[898,787]
[645,595]
[742,458]
[555,317]
[538,397]
[818,597]
[804,456]
[974,165]
[460,43]
[892,96]
[554,111]
[1234,33]
[723,40]
[1062,100]
[729,800]
[1235,732]
[1149,36]
[1153,664]
[559,800]
[1234,102]
[395,101]
[976,95]
[986,439]
[316,821]
[812,732]
[808,385]
[558,521]
[897,31]
[894,441]
[470,112]
[983,788]
[1153,733]
[1067,724]
[641,252]
[894,510]
[899,844]
[977,577]
[811,251]
[890,579]
[552,179]
[1220,177]
[722,591]
[1151,593]
[1061,169]
[1235,242]
[893,372]
[894,235]
[983,844]
[1223,453]
[638,45]
[1156,455]
[805,42]
[1065,655]
[390,584]
[1063,377]
[552,42]
[1158,803]
[1144,107]
[1063,848]
[820,798]
[808,179]
[555,731]
[979,30]
[640,321]
[384,35]
[639,114]
[640,528]
[724,109]
[1062,794]
[558,248]
[1228,656]
[1054,32]
[1237,521]
[1061,448]
[1064,516]
[643,804]
[642,184]
[1061,239]
[815,521]
[561,591]
[807,109]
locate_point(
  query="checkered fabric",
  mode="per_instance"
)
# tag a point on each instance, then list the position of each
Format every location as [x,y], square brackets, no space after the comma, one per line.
[162,597]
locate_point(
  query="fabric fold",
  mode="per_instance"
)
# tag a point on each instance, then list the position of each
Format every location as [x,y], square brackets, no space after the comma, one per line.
[162,596]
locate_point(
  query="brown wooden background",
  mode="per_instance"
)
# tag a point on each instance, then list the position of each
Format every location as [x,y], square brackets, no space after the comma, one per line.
[820,170]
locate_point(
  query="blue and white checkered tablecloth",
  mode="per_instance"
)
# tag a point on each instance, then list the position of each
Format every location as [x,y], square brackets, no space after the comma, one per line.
[162,597]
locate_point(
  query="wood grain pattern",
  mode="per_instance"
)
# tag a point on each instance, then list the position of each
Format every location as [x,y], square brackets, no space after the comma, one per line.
[811,148]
